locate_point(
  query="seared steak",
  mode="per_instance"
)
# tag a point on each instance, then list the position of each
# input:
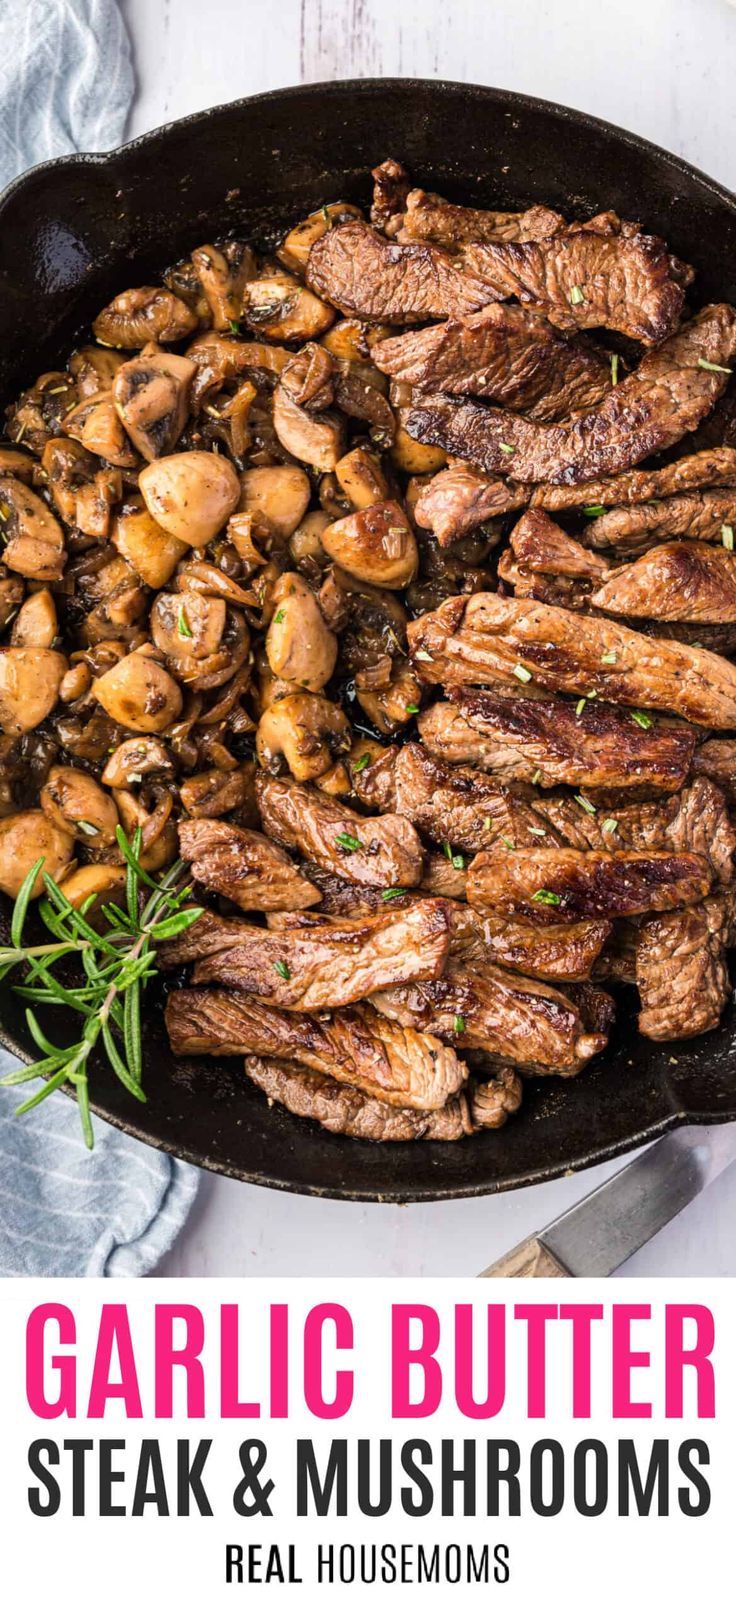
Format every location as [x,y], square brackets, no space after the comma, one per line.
[698,515]
[695,820]
[460,498]
[559,886]
[372,278]
[673,582]
[584,279]
[681,972]
[513,356]
[445,876]
[369,850]
[486,639]
[559,951]
[459,808]
[391,185]
[244,866]
[373,784]
[345,1111]
[549,741]
[315,968]
[667,396]
[431,218]
[539,543]
[511,1019]
[716,759]
[358,1046]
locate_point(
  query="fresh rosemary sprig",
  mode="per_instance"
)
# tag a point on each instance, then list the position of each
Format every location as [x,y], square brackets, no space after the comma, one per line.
[117,961]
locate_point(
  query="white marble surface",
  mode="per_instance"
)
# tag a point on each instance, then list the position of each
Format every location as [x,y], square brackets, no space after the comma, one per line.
[661,67]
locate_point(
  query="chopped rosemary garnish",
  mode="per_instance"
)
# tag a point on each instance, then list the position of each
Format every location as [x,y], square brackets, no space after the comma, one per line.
[183,626]
[279,616]
[283,970]
[393,894]
[547,897]
[422,654]
[587,805]
[362,762]
[641,718]
[348,841]
[506,447]
[580,707]
[610,825]
[412,710]
[593,510]
[727,536]
[234,327]
[716,369]
[509,843]
[522,674]
[540,833]
[609,659]
[576,296]
[458,862]
[487,823]
[458,1023]
[87,827]
[614,368]
[117,960]
[537,775]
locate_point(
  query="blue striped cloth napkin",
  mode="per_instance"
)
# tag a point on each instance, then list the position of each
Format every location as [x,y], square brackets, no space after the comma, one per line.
[66,84]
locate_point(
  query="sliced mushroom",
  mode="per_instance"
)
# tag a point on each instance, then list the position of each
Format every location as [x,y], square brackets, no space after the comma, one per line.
[75,683]
[12,592]
[415,458]
[149,313]
[191,494]
[213,794]
[36,624]
[299,644]
[305,544]
[219,358]
[240,534]
[301,422]
[392,698]
[234,415]
[151,551]
[150,814]
[223,276]
[98,879]
[83,493]
[359,393]
[24,838]
[29,687]
[95,423]
[35,541]
[375,544]
[277,495]
[134,760]
[39,411]
[94,369]
[199,576]
[139,694]
[280,308]
[151,395]
[203,640]
[14,462]
[361,478]
[304,733]
[74,802]
[296,246]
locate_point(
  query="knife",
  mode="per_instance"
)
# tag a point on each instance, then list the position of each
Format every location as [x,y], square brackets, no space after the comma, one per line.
[596,1236]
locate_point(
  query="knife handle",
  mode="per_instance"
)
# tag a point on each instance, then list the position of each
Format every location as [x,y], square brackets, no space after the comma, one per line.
[530,1258]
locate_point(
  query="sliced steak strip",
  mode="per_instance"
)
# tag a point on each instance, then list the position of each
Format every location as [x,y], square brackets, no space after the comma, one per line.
[430,218]
[549,741]
[513,1020]
[681,971]
[244,866]
[315,968]
[459,499]
[369,850]
[673,582]
[348,1112]
[486,639]
[585,279]
[365,275]
[459,807]
[696,820]
[561,951]
[667,396]
[559,886]
[538,542]
[701,516]
[716,759]
[358,1046]
[505,353]
[205,937]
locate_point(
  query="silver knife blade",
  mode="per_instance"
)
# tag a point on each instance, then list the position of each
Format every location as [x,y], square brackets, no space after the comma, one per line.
[596,1236]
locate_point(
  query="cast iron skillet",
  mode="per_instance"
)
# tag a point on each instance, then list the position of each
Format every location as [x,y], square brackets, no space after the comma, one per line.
[75,231]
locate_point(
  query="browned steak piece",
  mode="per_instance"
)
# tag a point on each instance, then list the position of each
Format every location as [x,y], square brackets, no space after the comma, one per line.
[486,639]
[369,850]
[348,1112]
[549,741]
[365,275]
[342,898]
[667,396]
[617,960]
[560,951]
[701,516]
[430,218]
[457,807]
[445,876]
[695,820]
[373,780]
[209,934]
[560,886]
[584,279]
[515,357]
[681,972]
[391,185]
[357,1046]
[673,582]
[460,498]
[544,563]
[597,1009]
[244,866]
[716,759]
[315,968]
[513,1020]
